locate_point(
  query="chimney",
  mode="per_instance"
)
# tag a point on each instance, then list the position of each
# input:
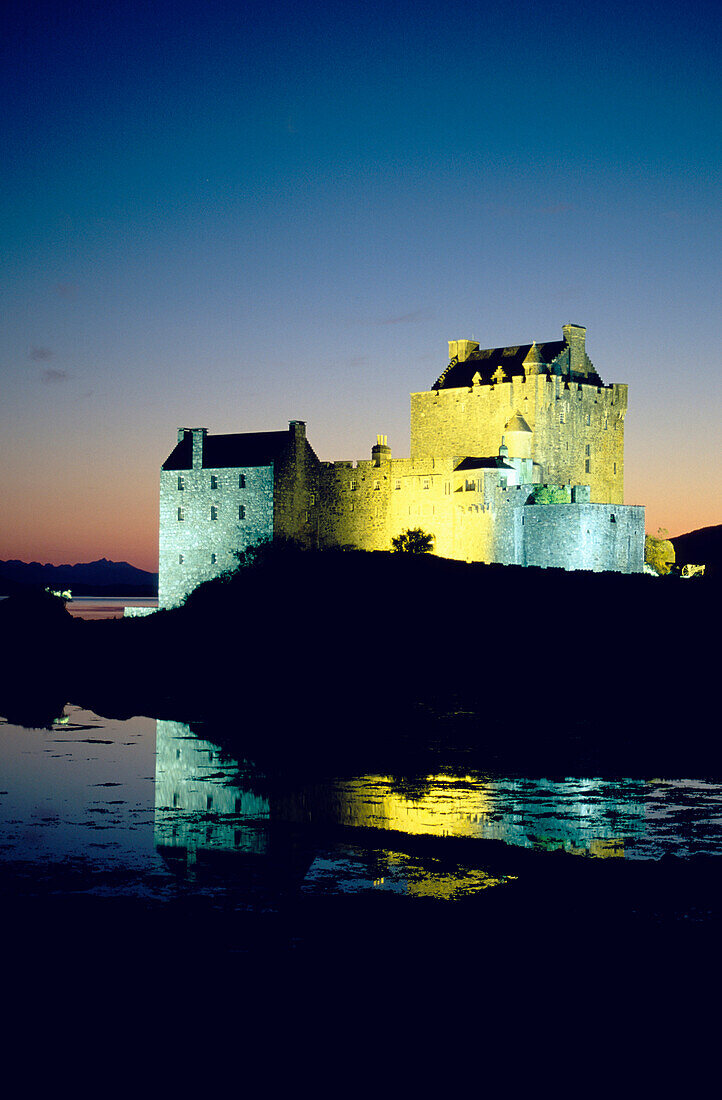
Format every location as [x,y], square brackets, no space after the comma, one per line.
[575,336]
[462,349]
[199,435]
[380,452]
[297,429]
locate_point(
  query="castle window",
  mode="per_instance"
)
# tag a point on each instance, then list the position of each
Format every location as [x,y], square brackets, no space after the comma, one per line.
[181,514]
[241,481]
[352,484]
[587,450]
[307,515]
[241,511]
[447,488]
[181,482]
[214,512]
[214,559]
[180,559]
[312,498]
[377,485]
[398,483]
[561,416]
[589,419]
[426,483]
[214,481]
[606,425]
[470,485]
[586,466]
[612,518]
[615,467]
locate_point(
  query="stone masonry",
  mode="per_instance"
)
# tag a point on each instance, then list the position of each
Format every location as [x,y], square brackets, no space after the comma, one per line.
[221,494]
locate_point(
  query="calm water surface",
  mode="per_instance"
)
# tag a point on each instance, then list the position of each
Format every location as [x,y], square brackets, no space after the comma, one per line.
[144,805]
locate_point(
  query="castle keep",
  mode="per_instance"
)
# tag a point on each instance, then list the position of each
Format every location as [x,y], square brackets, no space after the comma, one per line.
[500,434]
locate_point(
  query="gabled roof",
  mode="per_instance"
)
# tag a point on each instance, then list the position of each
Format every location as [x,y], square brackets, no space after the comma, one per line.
[486,363]
[224,451]
[495,463]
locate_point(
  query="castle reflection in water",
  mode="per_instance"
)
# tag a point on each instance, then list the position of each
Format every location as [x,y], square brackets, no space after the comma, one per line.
[206,805]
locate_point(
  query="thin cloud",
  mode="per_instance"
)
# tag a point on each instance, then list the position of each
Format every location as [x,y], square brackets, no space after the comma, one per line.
[405,318]
[52,374]
[40,355]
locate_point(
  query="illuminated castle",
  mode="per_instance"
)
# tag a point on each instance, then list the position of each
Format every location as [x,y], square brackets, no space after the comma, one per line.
[517,457]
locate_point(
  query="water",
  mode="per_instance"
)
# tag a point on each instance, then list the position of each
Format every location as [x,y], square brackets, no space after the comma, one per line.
[144,808]
[106,607]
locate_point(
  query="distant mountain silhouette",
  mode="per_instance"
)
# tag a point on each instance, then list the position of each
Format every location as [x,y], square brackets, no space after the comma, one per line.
[703,547]
[102,578]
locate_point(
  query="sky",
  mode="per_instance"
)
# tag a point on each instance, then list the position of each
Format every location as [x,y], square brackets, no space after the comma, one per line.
[234,214]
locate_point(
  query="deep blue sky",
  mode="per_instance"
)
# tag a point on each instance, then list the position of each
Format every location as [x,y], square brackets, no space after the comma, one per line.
[234,214]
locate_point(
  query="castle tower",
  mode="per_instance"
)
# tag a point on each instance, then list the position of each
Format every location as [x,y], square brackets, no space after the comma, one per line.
[575,336]
[534,362]
[518,436]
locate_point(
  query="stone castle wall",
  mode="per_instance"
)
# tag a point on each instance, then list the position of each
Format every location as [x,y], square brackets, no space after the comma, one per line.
[566,419]
[365,504]
[204,516]
[295,499]
[597,537]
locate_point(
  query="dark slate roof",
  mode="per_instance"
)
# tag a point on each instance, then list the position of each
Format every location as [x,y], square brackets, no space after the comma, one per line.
[485,363]
[223,451]
[495,463]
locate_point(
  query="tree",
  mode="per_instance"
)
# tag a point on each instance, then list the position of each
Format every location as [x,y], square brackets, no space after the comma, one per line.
[267,551]
[550,494]
[659,552]
[413,541]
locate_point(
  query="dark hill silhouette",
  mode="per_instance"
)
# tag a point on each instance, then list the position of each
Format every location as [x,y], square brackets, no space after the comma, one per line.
[102,578]
[702,547]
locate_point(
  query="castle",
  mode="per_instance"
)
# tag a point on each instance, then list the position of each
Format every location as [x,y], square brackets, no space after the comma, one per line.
[517,457]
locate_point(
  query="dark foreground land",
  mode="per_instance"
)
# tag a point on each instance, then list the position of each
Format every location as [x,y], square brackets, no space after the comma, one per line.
[367,657]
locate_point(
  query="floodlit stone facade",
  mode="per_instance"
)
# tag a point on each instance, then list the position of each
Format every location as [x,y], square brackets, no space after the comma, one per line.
[221,494]
[495,427]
